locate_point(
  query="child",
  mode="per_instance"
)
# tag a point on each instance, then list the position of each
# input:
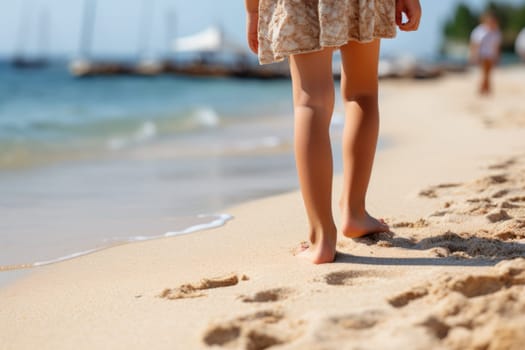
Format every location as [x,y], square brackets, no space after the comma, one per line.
[308,32]
[485,42]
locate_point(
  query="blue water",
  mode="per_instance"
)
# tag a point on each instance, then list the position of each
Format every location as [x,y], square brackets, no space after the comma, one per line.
[86,164]
[47,114]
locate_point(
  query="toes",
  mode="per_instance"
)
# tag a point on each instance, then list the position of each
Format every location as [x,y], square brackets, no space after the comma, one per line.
[383,226]
[303,246]
[383,222]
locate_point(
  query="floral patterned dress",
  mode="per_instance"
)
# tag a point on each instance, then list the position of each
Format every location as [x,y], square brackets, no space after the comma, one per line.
[288,27]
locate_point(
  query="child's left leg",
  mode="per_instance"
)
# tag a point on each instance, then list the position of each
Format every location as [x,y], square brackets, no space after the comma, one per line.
[486,67]
[313,93]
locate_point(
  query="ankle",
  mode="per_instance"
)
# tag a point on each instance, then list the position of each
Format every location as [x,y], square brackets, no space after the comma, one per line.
[357,214]
[353,210]
[323,235]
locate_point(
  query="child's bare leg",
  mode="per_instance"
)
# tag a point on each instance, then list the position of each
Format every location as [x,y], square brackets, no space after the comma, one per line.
[486,68]
[359,89]
[313,95]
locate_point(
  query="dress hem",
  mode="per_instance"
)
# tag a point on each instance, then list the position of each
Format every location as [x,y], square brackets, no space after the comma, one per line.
[282,55]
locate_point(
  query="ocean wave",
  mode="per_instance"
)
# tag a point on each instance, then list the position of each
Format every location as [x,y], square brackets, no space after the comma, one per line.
[191,120]
[62,126]
[206,116]
[147,131]
[216,221]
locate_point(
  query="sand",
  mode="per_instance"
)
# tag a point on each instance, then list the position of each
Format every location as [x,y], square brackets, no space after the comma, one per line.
[450,275]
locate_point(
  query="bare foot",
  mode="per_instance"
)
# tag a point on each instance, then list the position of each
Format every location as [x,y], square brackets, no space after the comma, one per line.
[316,253]
[355,227]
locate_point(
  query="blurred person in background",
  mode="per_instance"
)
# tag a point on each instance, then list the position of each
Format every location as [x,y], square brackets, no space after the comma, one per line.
[520,44]
[485,48]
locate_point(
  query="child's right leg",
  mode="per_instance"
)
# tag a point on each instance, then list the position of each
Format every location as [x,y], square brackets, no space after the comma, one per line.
[313,94]
[359,89]
[486,70]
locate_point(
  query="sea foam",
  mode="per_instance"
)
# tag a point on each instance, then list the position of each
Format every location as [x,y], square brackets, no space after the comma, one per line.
[147,131]
[215,220]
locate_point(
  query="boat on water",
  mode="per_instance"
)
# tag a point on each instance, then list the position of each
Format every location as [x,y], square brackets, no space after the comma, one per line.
[208,53]
[211,53]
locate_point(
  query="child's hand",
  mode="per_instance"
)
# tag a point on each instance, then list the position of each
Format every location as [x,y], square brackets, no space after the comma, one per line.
[412,9]
[252,24]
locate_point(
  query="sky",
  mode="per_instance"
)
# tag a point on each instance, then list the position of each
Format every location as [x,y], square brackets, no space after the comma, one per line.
[118,24]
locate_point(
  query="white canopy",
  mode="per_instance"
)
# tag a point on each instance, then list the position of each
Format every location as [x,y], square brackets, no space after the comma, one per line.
[209,40]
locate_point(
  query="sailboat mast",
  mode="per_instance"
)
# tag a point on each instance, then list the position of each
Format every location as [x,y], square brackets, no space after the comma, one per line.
[88,26]
[43,35]
[23,30]
[145,29]
[171,20]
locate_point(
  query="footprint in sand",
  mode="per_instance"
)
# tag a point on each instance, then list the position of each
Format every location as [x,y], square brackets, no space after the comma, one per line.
[480,185]
[482,244]
[402,299]
[508,274]
[366,330]
[489,181]
[517,199]
[479,200]
[498,215]
[483,311]
[436,327]
[500,193]
[508,205]
[429,193]
[257,331]
[512,230]
[268,296]
[498,198]
[361,321]
[408,224]
[351,277]
[195,290]
[503,165]
[432,192]
[335,328]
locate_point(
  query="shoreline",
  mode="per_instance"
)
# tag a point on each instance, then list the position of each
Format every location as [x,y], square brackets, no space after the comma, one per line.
[453,162]
[151,184]
[218,220]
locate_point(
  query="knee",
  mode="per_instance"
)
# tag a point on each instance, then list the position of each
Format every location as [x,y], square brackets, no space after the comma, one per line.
[365,99]
[321,101]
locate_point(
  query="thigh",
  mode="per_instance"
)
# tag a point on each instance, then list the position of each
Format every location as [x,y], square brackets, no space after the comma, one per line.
[359,69]
[312,77]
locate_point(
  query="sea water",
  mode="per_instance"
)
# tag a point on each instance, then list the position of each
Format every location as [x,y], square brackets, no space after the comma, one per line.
[87,164]
[47,115]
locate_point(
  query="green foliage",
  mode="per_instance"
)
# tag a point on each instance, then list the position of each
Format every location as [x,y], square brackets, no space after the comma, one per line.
[460,27]
[464,20]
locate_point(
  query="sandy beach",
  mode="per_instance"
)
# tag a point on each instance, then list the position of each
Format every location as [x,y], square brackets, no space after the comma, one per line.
[450,275]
